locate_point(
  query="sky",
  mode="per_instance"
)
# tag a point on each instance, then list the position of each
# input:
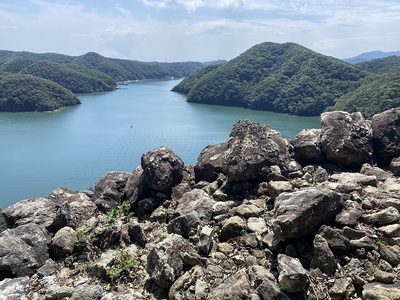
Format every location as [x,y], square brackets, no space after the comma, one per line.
[197,30]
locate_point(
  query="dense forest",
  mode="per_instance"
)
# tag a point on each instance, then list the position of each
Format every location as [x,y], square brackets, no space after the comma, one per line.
[88,73]
[289,78]
[30,93]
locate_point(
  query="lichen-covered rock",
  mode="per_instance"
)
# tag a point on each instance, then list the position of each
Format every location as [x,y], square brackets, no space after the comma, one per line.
[23,250]
[386,135]
[346,138]
[301,213]
[162,169]
[235,287]
[307,145]
[378,291]
[250,152]
[14,288]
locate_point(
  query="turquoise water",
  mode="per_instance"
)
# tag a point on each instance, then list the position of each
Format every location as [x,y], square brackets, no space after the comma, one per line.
[75,146]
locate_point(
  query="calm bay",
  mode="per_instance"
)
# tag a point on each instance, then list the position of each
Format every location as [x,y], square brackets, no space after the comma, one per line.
[75,146]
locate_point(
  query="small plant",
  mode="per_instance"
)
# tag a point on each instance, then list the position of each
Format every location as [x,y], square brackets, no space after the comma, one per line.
[120,211]
[124,262]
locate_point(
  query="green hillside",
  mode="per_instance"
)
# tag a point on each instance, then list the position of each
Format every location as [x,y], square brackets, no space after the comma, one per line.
[29,93]
[373,96]
[77,79]
[285,78]
[385,65]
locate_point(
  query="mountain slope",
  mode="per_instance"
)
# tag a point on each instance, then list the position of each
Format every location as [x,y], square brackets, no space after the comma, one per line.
[285,78]
[30,93]
[387,65]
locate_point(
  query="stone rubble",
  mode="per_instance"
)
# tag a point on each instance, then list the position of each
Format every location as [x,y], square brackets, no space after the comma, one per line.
[258,217]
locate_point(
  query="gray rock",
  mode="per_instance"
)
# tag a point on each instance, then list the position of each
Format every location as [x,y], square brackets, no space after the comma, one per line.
[346,138]
[307,145]
[392,230]
[250,152]
[206,239]
[14,288]
[257,225]
[342,289]
[278,187]
[395,166]
[41,211]
[380,174]
[248,210]
[164,262]
[162,169]
[87,292]
[185,225]
[136,187]
[301,213]
[386,216]
[110,190]
[63,243]
[235,287]
[378,291]
[231,228]
[292,276]
[391,254]
[23,250]
[334,237]
[323,258]
[196,200]
[136,232]
[386,135]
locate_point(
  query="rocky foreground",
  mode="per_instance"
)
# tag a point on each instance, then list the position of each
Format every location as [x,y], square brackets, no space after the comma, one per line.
[258,217]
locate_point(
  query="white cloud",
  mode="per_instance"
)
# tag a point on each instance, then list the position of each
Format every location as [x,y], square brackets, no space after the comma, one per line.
[189,5]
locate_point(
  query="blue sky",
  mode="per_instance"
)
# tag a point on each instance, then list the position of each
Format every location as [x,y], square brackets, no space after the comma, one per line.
[200,30]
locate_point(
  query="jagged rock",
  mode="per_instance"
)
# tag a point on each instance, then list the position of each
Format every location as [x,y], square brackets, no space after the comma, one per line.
[354,178]
[278,187]
[87,292]
[323,259]
[301,213]
[352,233]
[342,289]
[196,200]
[185,225]
[384,277]
[164,262]
[63,243]
[109,236]
[206,239]
[350,214]
[74,213]
[256,225]
[235,287]
[386,216]
[23,250]
[395,166]
[146,206]
[307,145]
[100,267]
[14,288]
[386,135]
[136,187]
[346,138]
[392,230]
[220,208]
[380,174]
[363,242]
[378,291]
[231,228]
[292,276]
[162,169]
[391,254]
[109,190]
[248,210]
[334,237]
[126,295]
[250,152]
[135,232]
[41,211]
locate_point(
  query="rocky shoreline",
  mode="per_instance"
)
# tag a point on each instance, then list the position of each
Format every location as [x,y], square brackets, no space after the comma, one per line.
[258,217]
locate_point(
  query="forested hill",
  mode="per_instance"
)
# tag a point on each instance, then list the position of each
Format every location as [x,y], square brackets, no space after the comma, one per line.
[285,78]
[387,65]
[30,93]
[88,73]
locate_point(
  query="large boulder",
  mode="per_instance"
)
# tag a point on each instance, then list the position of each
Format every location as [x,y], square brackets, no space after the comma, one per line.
[346,139]
[386,135]
[307,145]
[162,169]
[110,190]
[302,213]
[248,155]
[23,250]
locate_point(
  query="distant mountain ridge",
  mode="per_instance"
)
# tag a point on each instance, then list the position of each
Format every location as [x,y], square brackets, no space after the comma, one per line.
[367,56]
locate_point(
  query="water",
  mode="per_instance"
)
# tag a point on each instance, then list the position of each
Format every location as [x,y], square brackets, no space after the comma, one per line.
[75,146]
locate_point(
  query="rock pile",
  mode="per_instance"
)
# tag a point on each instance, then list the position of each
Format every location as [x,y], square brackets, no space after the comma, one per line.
[258,217]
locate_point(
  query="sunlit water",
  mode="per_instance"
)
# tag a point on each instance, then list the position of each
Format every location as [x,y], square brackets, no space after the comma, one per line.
[75,146]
